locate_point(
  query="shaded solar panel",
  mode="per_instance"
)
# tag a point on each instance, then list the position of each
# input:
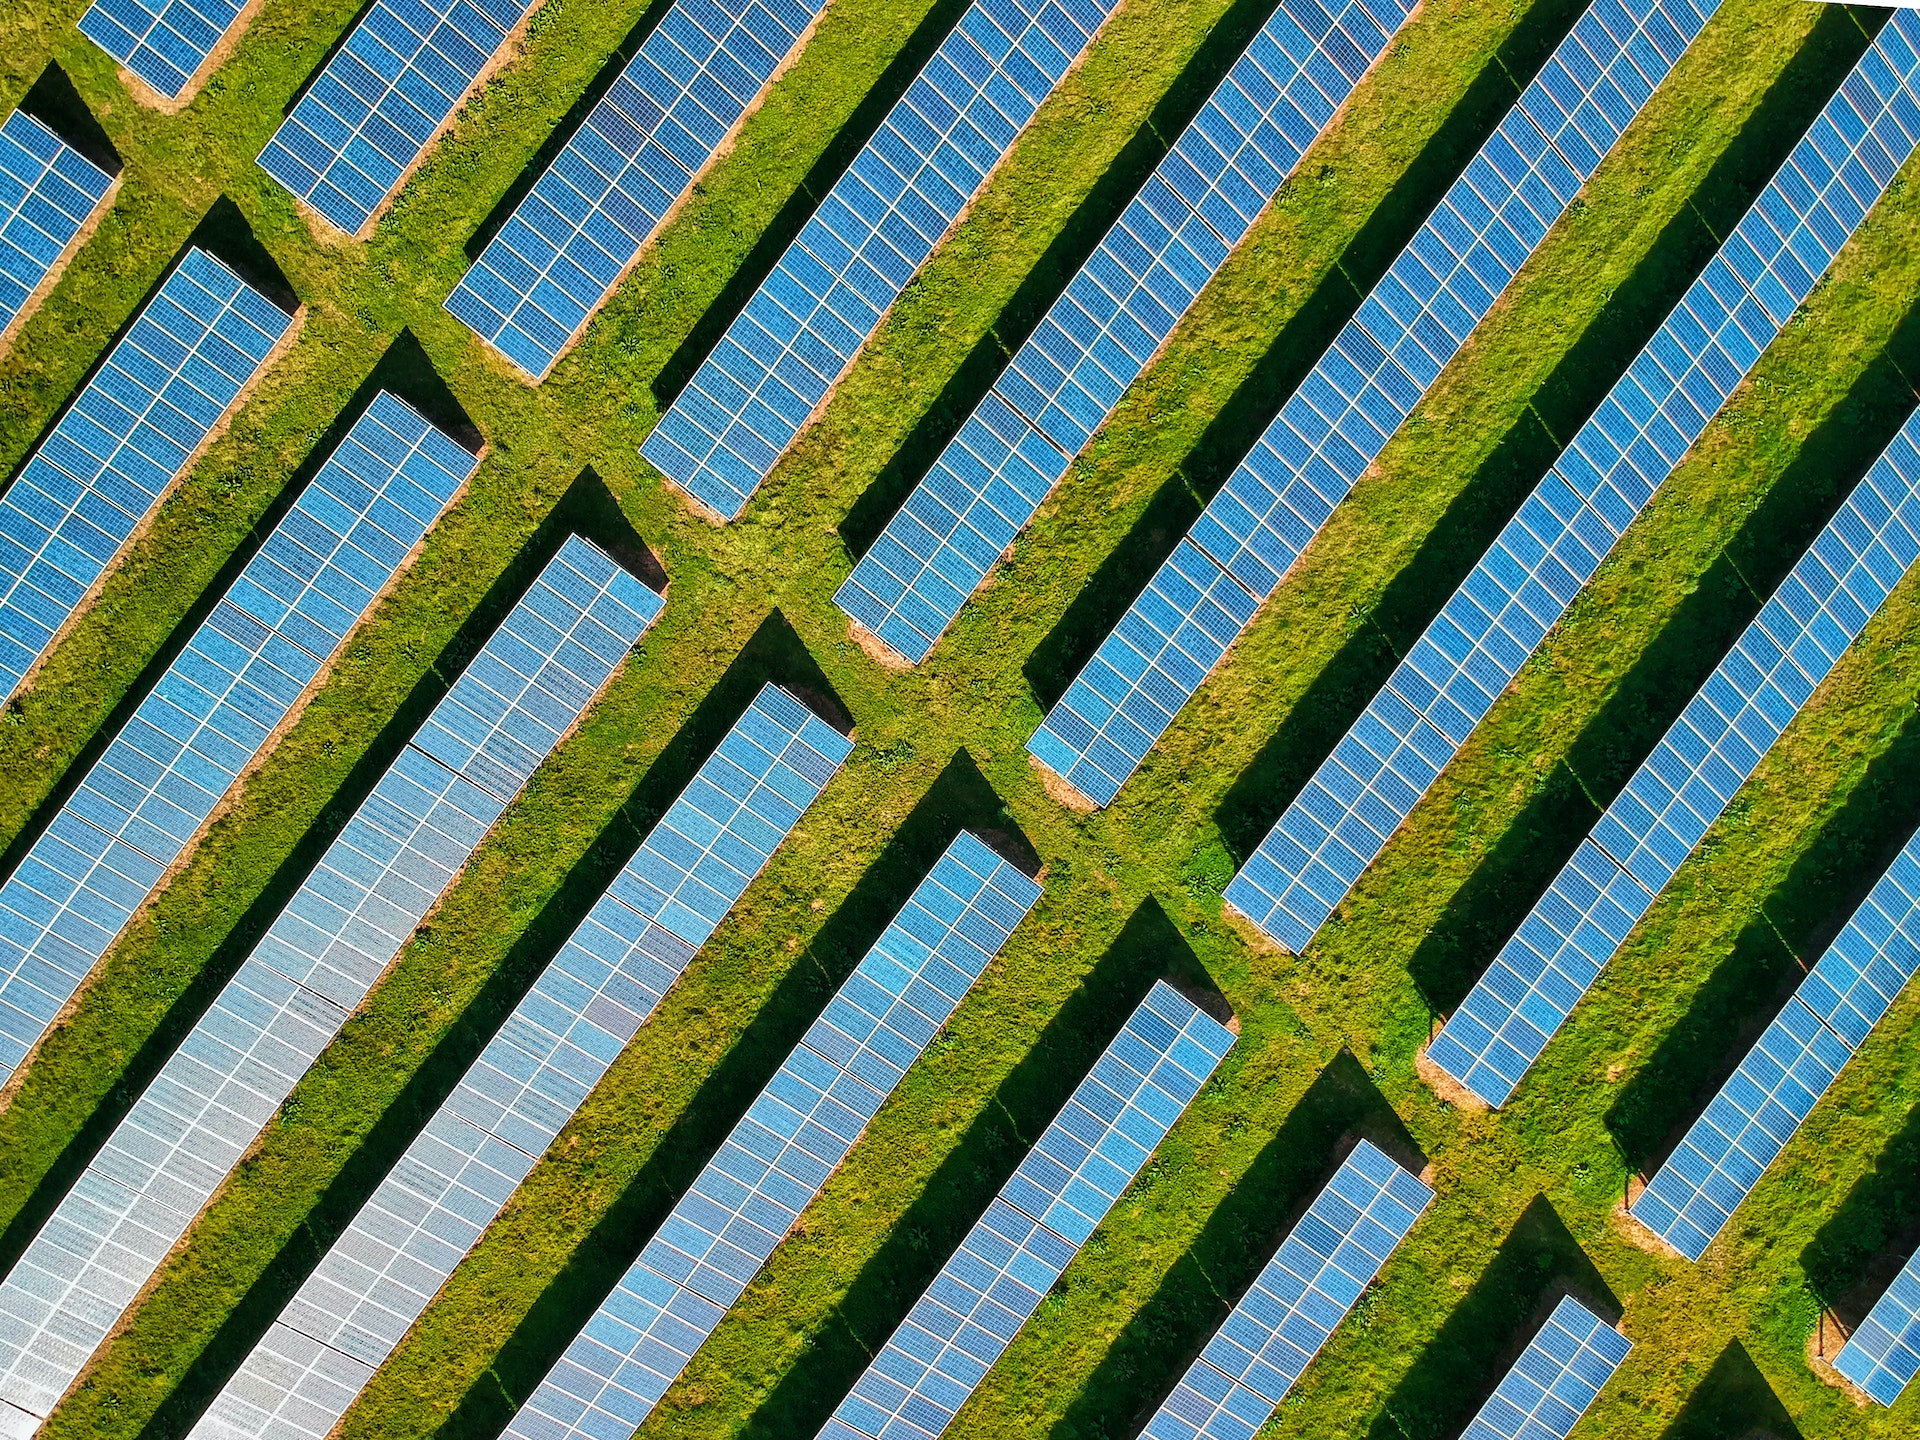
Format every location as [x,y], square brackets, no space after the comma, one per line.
[1523,584]
[1113,317]
[1341,417]
[1883,1355]
[1557,1377]
[779,1156]
[1677,794]
[381,100]
[1324,1266]
[880,221]
[1061,1191]
[347,923]
[164,42]
[635,157]
[129,434]
[49,192]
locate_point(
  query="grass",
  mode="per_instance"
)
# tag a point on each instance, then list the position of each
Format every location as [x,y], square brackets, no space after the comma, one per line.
[1327,1040]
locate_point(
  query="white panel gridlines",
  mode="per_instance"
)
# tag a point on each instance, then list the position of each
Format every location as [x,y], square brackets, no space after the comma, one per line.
[1114,315]
[1341,417]
[1298,1300]
[566,245]
[1883,1355]
[1523,584]
[48,193]
[879,223]
[165,42]
[779,1156]
[1680,790]
[347,923]
[1556,1379]
[128,435]
[1031,1231]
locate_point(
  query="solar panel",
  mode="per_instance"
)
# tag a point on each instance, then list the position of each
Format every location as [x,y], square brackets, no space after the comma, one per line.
[338,934]
[1031,1231]
[382,99]
[1339,420]
[49,193]
[167,43]
[130,433]
[879,222]
[779,1156]
[1220,173]
[635,157]
[1523,584]
[1557,1377]
[1882,1356]
[1296,1303]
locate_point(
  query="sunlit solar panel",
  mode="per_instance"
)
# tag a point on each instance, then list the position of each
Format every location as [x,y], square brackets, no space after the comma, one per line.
[1556,1379]
[49,193]
[167,43]
[1883,1355]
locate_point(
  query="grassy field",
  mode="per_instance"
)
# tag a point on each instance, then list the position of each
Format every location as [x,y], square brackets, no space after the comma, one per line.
[1526,1197]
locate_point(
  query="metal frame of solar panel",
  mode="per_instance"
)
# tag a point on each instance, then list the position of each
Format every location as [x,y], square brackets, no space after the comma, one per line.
[635,157]
[129,434]
[1357,395]
[881,220]
[49,195]
[1680,790]
[382,100]
[326,949]
[168,45]
[1556,1379]
[1883,1355]
[1547,553]
[1296,1303]
[1054,1200]
[1113,317]
[778,1157]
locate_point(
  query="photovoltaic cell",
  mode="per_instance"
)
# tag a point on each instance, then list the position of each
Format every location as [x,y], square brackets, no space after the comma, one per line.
[164,42]
[1114,315]
[1031,1231]
[382,99]
[1551,549]
[1339,420]
[779,1156]
[348,922]
[1674,797]
[636,156]
[129,434]
[1324,1266]
[49,191]
[1557,1377]
[1883,1355]
[880,221]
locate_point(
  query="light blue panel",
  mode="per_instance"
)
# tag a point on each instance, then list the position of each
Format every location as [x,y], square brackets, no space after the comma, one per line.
[164,42]
[49,192]
[1556,1379]
[1883,1355]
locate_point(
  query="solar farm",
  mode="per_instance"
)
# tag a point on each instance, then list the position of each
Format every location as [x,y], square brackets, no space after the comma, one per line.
[873,720]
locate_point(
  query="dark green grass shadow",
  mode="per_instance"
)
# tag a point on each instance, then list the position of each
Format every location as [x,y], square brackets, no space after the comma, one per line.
[1564,402]
[1854,1256]
[1242,1234]
[1734,1402]
[54,102]
[1120,578]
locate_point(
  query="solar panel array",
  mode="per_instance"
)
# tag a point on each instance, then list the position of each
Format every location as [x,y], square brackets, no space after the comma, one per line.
[1341,417]
[1883,1355]
[879,222]
[1677,794]
[349,920]
[1220,174]
[48,193]
[128,435]
[636,156]
[779,1156]
[1557,1377]
[1523,584]
[164,42]
[1031,1231]
[1323,1267]
[381,99]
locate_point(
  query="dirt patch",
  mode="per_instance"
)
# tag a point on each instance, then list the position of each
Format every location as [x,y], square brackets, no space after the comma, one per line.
[1060,791]
[878,651]
[1446,1087]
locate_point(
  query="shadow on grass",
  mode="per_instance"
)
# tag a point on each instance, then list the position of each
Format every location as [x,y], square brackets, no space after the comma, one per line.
[1853,1258]
[1734,1402]
[54,102]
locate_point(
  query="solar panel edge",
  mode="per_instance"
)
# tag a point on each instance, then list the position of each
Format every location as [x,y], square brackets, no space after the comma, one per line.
[1882,1355]
[1546,1394]
[146,90]
[51,277]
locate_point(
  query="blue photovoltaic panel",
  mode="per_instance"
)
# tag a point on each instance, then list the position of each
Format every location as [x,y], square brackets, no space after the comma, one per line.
[48,193]
[1339,420]
[1013,1255]
[1220,174]
[1519,589]
[1666,809]
[322,954]
[128,435]
[1557,1377]
[381,100]
[1882,1356]
[800,331]
[164,42]
[565,246]
[782,1151]
[1305,1291]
